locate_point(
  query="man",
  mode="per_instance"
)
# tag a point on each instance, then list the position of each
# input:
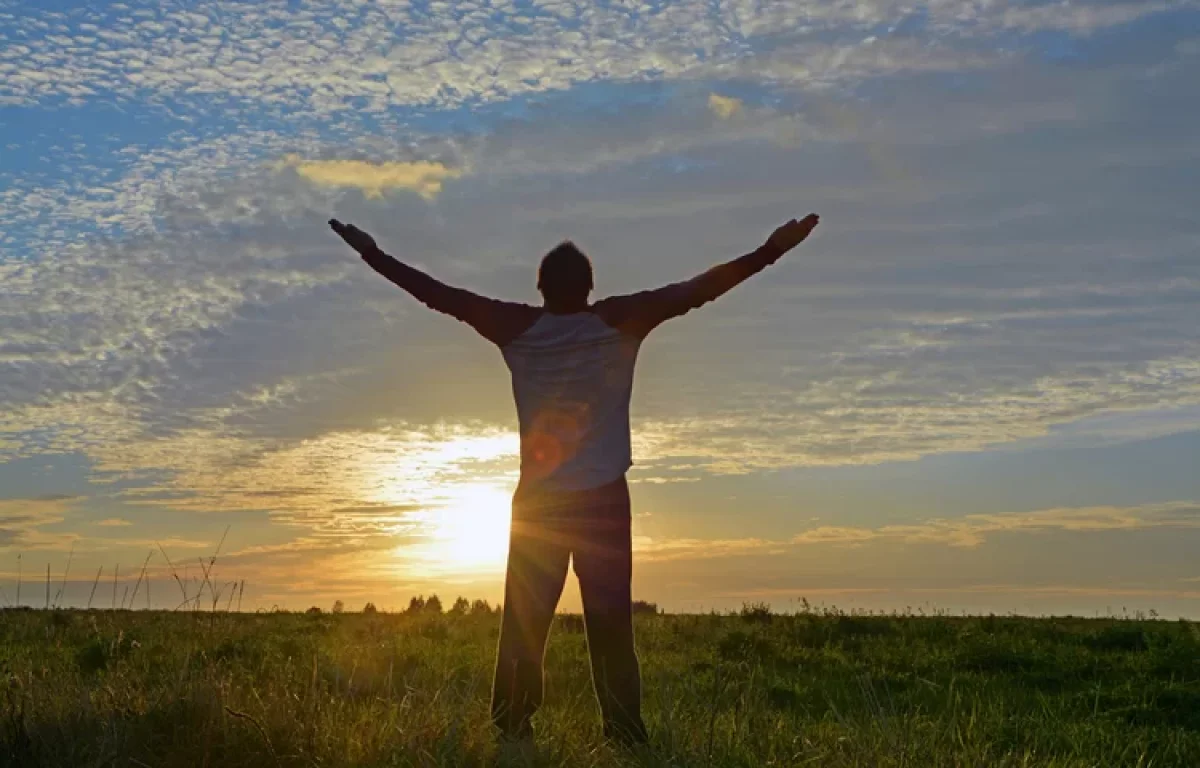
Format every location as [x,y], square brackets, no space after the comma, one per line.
[572,375]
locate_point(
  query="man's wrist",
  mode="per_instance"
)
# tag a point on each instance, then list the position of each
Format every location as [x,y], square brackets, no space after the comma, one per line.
[772,250]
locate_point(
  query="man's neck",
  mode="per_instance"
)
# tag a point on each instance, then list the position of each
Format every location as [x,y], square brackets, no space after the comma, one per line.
[565,307]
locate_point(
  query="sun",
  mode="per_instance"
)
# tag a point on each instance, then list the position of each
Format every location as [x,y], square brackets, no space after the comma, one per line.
[469,532]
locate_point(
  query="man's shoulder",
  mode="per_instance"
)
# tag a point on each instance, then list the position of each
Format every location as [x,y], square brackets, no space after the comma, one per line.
[636,314]
[506,320]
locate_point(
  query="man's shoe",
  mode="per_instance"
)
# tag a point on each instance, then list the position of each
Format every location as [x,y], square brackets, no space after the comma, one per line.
[516,749]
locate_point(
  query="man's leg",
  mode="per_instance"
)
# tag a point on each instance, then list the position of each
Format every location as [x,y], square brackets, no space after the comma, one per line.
[537,570]
[604,564]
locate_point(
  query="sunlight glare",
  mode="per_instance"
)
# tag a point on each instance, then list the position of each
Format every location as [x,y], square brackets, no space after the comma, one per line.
[468,533]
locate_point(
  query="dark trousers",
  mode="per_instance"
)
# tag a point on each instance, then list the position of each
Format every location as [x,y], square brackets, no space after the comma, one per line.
[548,529]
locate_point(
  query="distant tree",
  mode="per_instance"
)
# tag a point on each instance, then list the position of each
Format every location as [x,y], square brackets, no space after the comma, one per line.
[570,622]
[433,604]
[314,611]
[338,606]
[480,607]
[461,606]
[416,604]
[641,606]
[369,608]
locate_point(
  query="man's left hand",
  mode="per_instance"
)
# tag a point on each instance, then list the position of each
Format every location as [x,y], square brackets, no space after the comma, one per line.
[354,237]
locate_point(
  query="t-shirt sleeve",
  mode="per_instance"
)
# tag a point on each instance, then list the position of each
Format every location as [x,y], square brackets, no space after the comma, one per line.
[639,313]
[500,322]
[497,321]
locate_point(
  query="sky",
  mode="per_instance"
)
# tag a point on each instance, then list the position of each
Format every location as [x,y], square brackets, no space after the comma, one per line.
[976,388]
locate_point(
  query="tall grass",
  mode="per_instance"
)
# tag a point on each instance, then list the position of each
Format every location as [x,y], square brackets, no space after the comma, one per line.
[194,688]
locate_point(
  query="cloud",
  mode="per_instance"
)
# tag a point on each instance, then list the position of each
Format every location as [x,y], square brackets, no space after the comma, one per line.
[1081,18]
[338,489]
[724,106]
[112,522]
[94,544]
[22,521]
[423,177]
[651,549]
[322,64]
[836,535]
[966,532]
[1015,590]
[973,530]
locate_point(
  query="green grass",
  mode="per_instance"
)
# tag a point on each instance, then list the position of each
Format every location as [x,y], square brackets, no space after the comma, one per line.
[157,689]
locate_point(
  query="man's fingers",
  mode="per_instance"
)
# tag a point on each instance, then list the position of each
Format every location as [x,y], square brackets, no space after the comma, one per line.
[348,232]
[808,222]
[344,229]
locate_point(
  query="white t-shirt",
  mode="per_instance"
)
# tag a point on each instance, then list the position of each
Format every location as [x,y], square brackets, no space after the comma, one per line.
[572,378]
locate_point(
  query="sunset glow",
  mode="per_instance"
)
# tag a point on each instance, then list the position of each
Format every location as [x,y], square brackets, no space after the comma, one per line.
[468,533]
[977,384]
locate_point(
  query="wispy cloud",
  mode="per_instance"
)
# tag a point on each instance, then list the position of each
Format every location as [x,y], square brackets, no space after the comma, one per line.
[22,522]
[973,530]
[653,550]
[967,531]
[1017,590]
[112,522]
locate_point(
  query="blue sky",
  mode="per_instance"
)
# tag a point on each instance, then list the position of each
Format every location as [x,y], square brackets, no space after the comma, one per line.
[976,388]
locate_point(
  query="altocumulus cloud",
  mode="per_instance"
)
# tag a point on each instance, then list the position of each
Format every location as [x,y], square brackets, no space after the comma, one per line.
[317,55]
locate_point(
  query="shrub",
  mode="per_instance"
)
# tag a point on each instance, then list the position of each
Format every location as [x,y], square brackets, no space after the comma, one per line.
[1118,638]
[369,608]
[755,612]
[641,606]
[338,606]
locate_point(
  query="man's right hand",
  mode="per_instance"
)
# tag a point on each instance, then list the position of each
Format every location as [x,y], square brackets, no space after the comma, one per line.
[791,234]
[354,237]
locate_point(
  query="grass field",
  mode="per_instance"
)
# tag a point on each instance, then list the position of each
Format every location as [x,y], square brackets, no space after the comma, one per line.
[216,689]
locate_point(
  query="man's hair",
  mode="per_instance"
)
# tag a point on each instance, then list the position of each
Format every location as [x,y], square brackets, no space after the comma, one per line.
[565,273]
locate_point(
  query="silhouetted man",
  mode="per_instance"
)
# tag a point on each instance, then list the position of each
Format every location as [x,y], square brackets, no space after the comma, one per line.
[572,375]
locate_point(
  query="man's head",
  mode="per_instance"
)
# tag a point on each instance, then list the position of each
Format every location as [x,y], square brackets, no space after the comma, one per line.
[565,276]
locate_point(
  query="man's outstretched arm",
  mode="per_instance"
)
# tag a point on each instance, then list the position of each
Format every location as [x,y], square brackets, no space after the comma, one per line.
[640,313]
[497,321]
